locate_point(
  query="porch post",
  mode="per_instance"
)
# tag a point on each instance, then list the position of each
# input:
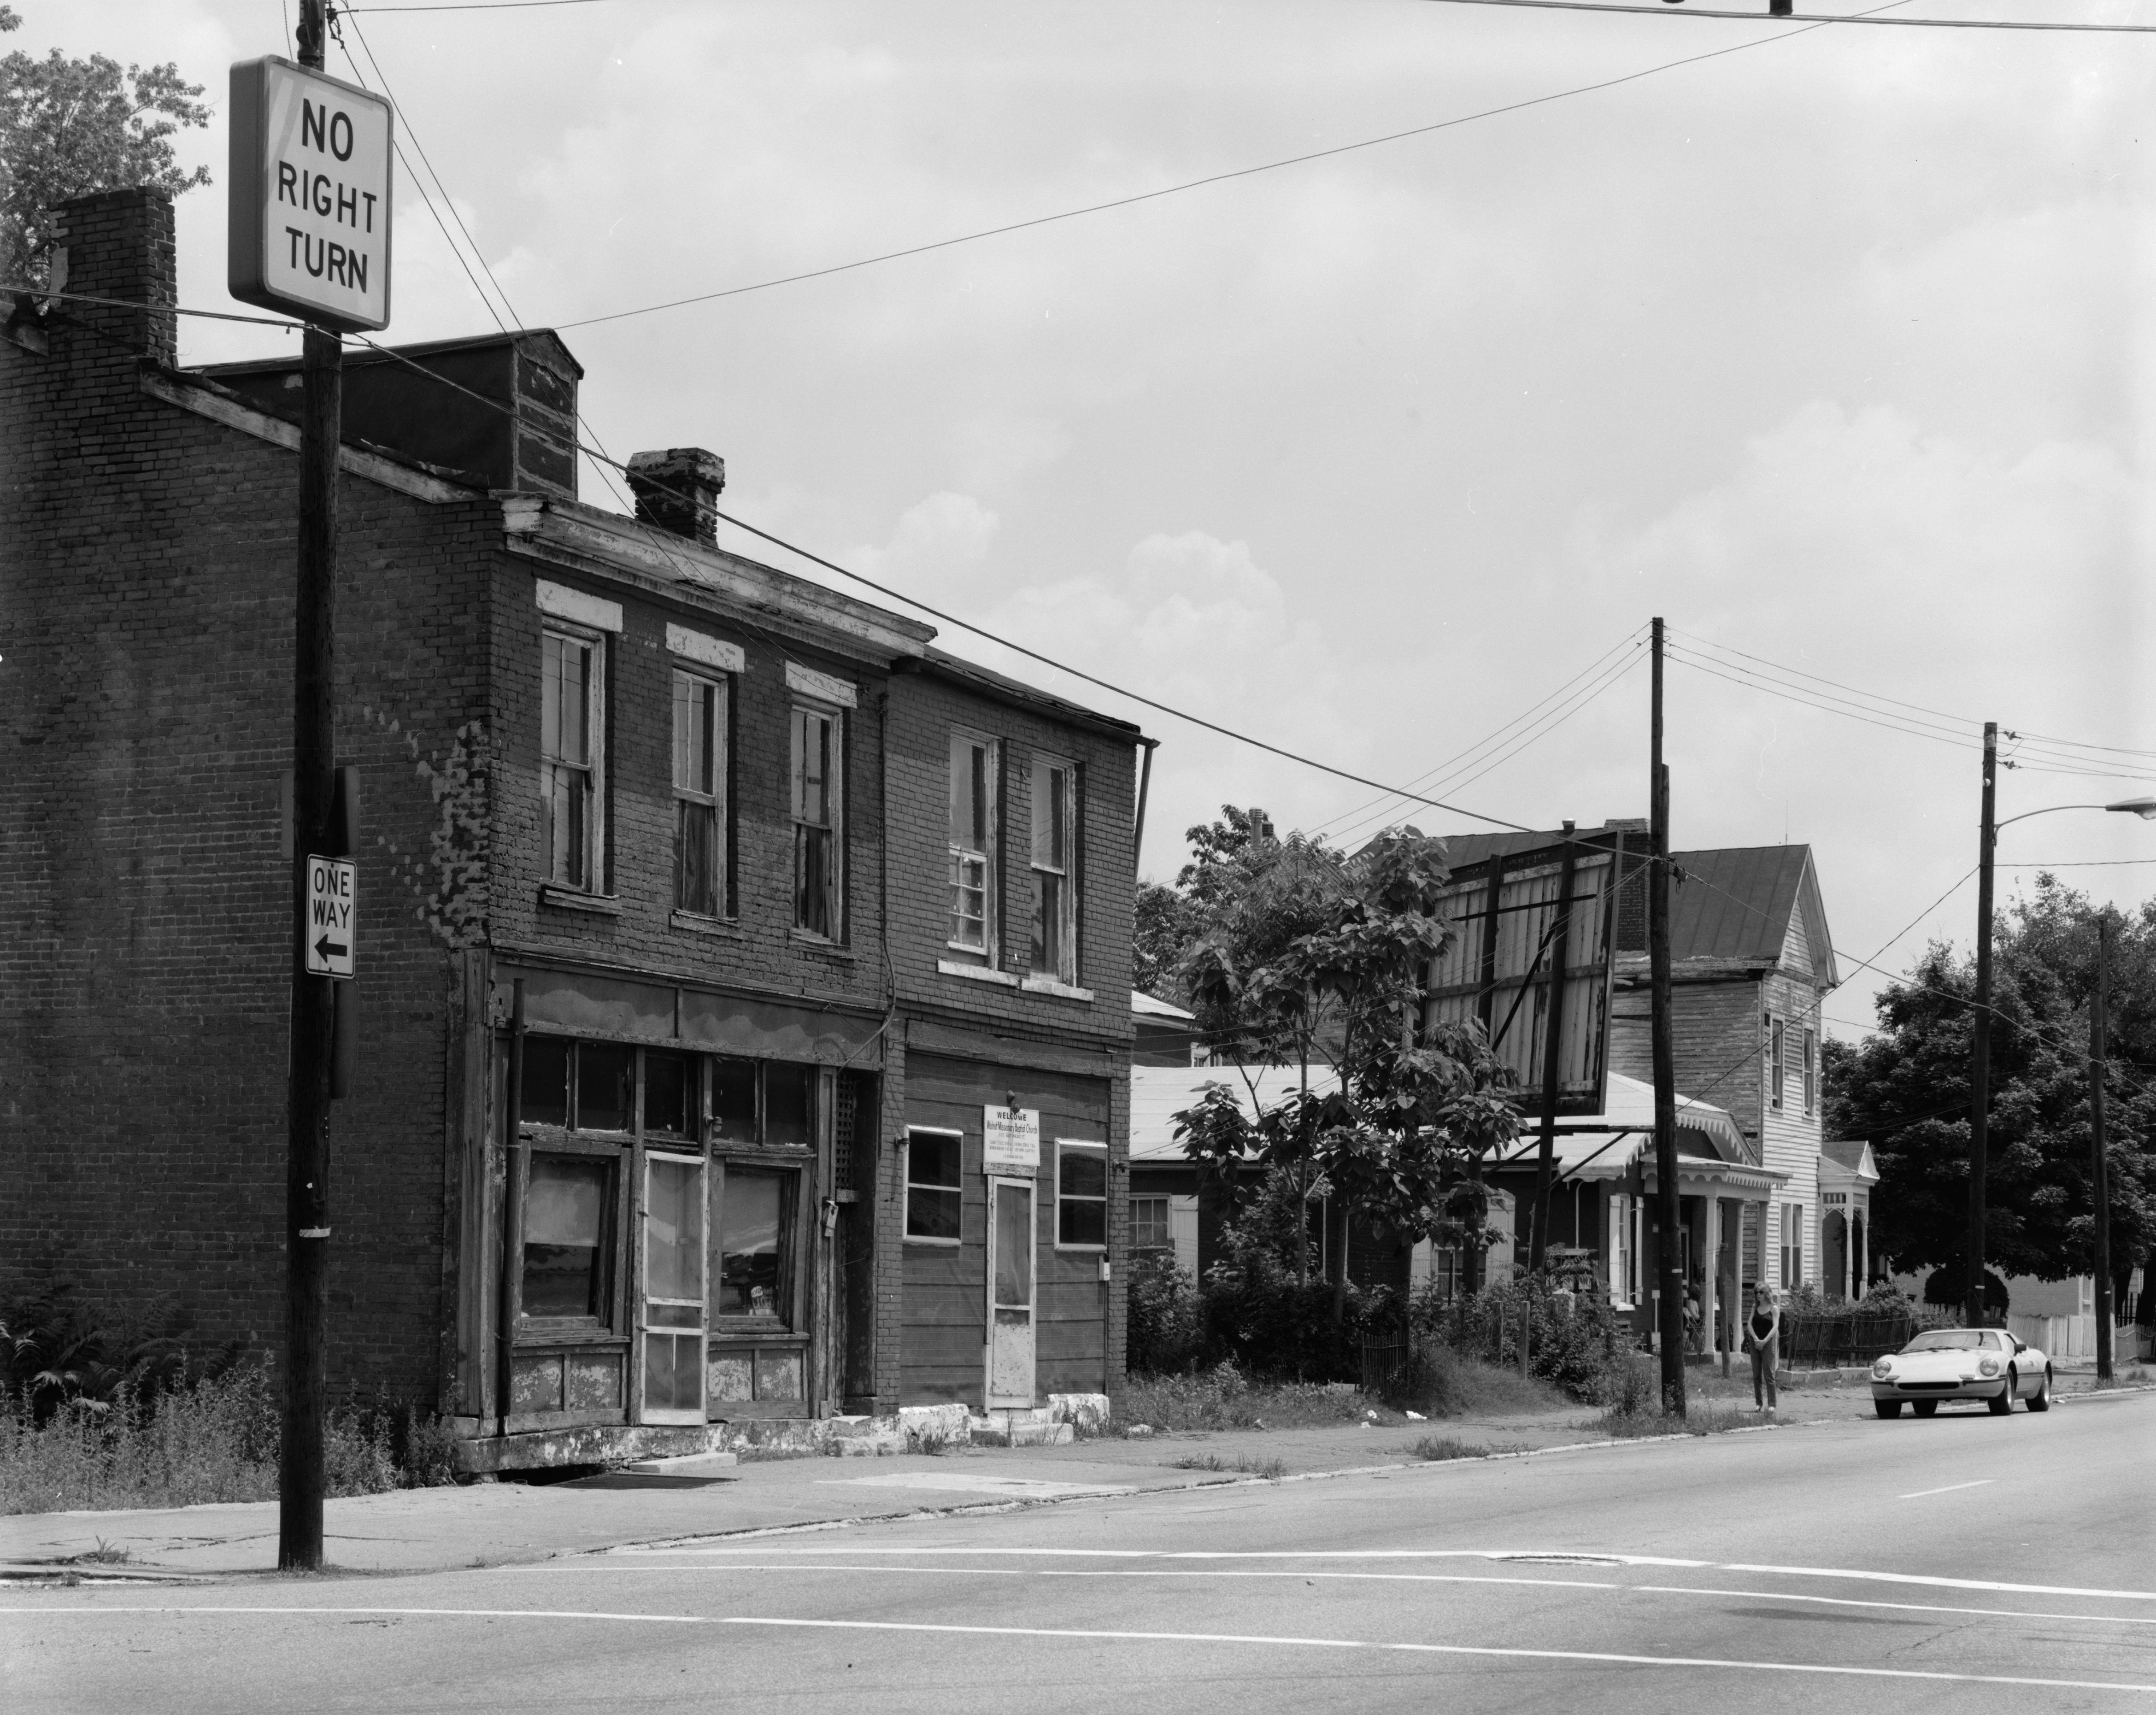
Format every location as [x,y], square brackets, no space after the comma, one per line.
[1710,1304]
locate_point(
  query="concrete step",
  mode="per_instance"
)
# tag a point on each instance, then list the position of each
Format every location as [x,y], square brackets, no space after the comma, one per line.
[687,1465]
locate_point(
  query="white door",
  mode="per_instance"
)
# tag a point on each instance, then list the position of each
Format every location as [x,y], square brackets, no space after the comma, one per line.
[1010,1292]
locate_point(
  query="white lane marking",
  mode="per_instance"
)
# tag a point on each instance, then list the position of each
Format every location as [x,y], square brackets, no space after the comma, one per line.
[1479,1651]
[1565,1555]
[1572,1557]
[1898,1607]
[1556,1583]
[1951,1583]
[1949,1489]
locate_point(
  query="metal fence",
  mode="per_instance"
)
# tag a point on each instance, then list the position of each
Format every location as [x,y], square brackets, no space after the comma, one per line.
[1848,1336]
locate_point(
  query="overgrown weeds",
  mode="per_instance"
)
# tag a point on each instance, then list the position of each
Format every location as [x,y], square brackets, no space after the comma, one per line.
[1221,1398]
[200,1439]
[1272,1470]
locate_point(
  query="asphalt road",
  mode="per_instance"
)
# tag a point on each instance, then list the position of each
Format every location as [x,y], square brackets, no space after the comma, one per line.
[1963,1561]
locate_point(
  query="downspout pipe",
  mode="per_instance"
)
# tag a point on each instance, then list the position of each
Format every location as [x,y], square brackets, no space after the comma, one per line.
[514,1156]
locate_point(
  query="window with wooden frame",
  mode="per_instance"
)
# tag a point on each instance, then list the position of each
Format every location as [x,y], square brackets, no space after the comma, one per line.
[934,1197]
[1811,1073]
[1775,1070]
[1151,1228]
[699,795]
[753,1283]
[1793,1245]
[818,808]
[1081,1196]
[1055,939]
[976,775]
[572,758]
[578,1103]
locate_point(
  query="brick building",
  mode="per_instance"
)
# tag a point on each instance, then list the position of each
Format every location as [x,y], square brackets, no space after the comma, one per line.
[809,944]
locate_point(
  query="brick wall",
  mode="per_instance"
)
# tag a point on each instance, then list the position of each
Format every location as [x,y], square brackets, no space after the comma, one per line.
[146,562]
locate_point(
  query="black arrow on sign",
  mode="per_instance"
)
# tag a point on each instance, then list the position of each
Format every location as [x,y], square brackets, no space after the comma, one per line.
[326,949]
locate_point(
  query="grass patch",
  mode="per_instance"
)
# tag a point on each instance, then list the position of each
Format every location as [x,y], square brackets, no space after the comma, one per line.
[1221,1399]
[1436,1447]
[1703,1417]
[1271,1469]
[201,1440]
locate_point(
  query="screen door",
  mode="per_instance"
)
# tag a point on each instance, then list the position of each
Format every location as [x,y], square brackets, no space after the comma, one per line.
[673,1297]
[1010,1292]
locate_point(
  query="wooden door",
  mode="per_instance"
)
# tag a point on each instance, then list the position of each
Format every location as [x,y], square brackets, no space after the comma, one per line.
[1010,1307]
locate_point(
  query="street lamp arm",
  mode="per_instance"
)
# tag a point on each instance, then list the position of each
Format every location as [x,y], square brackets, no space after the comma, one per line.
[2144,808]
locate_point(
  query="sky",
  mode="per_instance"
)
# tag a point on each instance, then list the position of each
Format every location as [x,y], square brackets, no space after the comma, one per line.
[1830,349]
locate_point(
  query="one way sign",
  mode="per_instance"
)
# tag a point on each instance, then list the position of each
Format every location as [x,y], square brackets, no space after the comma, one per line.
[332,923]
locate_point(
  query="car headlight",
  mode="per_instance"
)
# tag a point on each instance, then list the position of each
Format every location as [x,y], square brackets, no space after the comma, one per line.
[1988,1366]
[1883,1368]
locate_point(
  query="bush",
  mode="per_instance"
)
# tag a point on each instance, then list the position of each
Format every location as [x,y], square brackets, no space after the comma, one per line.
[1574,1339]
[1167,1316]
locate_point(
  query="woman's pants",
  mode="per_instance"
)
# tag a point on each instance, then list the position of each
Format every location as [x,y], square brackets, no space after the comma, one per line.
[1764,1365]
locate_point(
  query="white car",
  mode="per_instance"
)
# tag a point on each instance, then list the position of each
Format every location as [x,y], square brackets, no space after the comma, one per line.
[1962,1363]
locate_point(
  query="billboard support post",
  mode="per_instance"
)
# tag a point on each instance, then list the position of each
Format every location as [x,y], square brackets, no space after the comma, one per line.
[1668,1249]
[1552,1059]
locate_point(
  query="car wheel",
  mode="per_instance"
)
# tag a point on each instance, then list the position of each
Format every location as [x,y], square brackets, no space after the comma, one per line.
[2004,1402]
[1924,1408]
[2040,1400]
[1887,1408]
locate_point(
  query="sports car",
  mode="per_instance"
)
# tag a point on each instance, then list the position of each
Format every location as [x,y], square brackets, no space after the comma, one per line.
[1962,1363]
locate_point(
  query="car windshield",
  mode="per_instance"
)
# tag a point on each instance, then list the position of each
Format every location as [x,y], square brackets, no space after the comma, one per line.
[1946,1340]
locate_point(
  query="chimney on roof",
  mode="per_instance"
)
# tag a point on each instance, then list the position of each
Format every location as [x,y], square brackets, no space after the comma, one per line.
[120,245]
[678,490]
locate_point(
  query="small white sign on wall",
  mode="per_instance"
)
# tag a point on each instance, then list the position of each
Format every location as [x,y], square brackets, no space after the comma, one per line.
[1010,1140]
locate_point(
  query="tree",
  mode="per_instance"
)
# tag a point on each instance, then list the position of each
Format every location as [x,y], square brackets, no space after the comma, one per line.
[68,127]
[1169,919]
[1315,944]
[1906,1091]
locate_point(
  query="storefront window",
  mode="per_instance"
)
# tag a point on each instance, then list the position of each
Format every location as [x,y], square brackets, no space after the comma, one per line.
[752,1243]
[786,1102]
[565,1230]
[669,1094]
[546,1091]
[606,1087]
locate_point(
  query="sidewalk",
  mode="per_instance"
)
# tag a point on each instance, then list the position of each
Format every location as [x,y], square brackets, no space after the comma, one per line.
[421,1530]
[487,1524]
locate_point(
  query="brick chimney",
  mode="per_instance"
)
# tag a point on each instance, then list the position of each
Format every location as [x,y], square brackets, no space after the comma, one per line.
[677,489]
[120,245]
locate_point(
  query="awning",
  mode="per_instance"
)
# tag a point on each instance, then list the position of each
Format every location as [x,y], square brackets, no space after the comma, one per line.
[1603,1145]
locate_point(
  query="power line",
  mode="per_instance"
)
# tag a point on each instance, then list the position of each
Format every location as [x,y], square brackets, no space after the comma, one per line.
[1816,19]
[1177,189]
[1505,744]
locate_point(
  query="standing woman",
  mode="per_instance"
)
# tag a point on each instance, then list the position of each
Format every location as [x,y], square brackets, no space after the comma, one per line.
[1763,1339]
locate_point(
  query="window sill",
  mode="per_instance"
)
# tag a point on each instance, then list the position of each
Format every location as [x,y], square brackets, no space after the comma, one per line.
[934,1244]
[817,944]
[976,974]
[568,899]
[718,928]
[1061,991]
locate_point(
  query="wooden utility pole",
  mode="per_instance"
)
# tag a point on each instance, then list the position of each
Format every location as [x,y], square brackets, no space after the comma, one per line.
[1553,1064]
[313,1012]
[2100,1167]
[1669,1305]
[1980,1054]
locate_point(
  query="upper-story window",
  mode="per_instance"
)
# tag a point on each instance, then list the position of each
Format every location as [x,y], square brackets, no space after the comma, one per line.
[1774,1064]
[700,794]
[1055,794]
[571,750]
[975,769]
[1811,1074]
[819,791]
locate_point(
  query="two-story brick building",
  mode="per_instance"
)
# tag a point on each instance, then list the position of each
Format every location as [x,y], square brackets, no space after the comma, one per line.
[743,982]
